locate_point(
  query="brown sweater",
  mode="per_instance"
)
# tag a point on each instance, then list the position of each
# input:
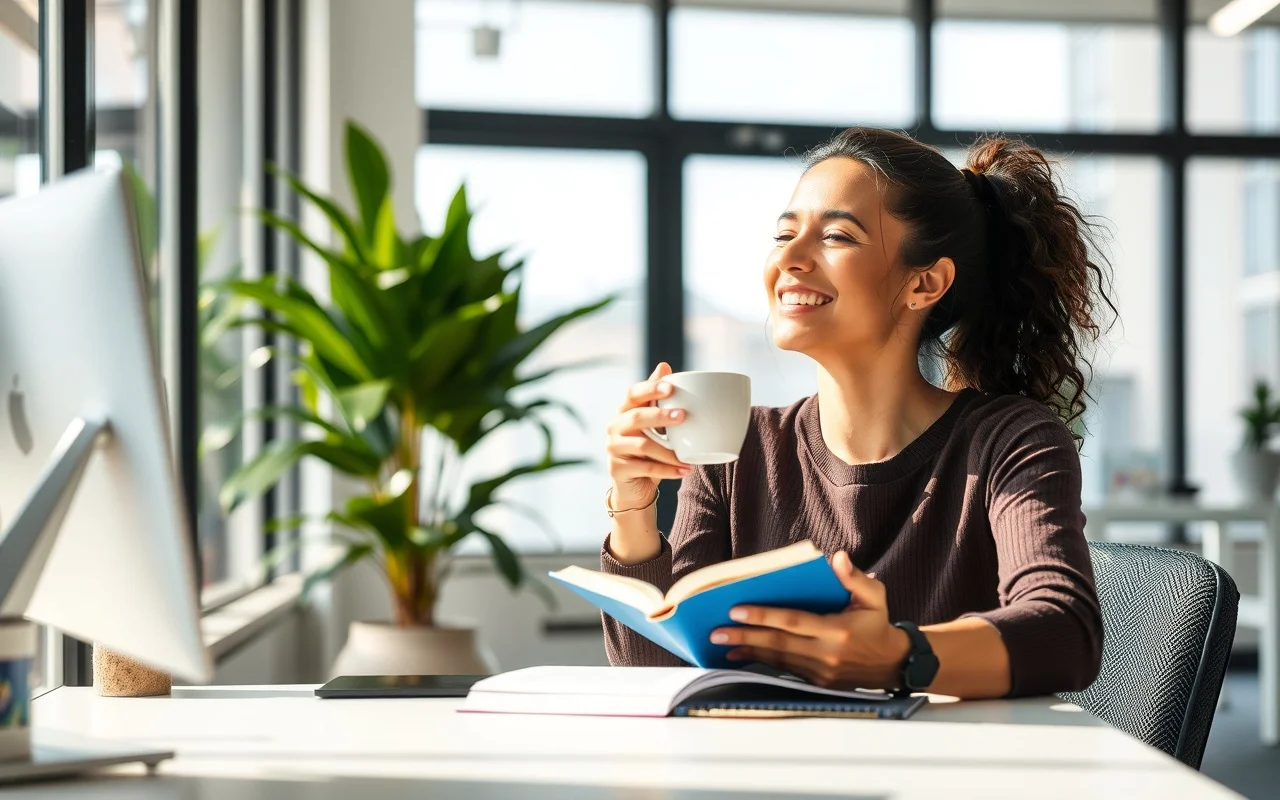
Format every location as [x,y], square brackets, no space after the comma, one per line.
[979,516]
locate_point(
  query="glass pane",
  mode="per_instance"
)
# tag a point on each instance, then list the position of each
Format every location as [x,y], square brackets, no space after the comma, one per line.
[551,56]
[20,175]
[1233,83]
[120,55]
[1123,455]
[770,66]
[731,204]
[1067,76]
[1232,336]
[579,220]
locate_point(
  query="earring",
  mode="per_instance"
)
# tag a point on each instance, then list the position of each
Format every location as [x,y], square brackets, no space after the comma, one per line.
[913,305]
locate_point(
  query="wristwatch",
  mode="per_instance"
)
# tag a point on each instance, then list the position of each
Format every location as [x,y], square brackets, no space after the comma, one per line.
[921,665]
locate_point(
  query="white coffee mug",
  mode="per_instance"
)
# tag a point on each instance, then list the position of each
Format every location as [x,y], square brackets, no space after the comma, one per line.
[717,407]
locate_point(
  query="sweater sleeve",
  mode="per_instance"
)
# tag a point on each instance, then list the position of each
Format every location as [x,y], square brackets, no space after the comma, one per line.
[700,536]
[1048,615]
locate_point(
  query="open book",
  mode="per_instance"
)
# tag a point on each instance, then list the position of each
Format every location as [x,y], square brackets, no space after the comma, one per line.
[797,576]
[664,691]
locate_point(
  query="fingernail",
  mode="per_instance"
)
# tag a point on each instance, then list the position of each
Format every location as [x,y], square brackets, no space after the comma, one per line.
[719,638]
[685,470]
[676,413]
[738,615]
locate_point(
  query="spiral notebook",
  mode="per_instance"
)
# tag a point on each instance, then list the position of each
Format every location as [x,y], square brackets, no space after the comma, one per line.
[674,691]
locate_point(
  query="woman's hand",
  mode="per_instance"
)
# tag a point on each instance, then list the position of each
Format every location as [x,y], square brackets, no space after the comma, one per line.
[636,462]
[856,648]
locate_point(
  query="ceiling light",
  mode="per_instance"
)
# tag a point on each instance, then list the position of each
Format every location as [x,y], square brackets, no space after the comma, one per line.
[1238,15]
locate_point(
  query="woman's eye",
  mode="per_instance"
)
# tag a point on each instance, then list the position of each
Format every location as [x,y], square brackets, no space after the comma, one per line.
[838,237]
[782,238]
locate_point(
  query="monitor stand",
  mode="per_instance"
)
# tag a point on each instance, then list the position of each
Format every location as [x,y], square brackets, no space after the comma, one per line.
[25,545]
[58,755]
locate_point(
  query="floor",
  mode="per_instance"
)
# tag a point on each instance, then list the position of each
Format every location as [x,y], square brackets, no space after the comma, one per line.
[1234,756]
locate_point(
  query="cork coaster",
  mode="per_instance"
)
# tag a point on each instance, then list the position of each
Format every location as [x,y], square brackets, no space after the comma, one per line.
[115,675]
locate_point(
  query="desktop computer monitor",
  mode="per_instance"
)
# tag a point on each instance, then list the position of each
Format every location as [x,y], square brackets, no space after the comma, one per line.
[76,345]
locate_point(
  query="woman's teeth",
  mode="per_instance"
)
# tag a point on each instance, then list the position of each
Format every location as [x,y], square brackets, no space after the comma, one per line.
[798,299]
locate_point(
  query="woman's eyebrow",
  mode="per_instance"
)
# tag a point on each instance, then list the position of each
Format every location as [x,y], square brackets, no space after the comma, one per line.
[831,213]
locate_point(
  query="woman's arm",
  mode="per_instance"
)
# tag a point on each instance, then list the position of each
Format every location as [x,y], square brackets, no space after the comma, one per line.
[699,537]
[1045,636]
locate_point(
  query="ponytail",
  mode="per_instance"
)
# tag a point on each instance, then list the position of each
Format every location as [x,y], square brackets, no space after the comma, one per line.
[1023,306]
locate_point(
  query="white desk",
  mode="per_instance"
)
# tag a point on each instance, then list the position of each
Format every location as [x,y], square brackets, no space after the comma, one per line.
[1261,611]
[251,742]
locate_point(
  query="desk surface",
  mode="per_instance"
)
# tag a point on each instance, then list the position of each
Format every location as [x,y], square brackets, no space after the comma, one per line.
[281,741]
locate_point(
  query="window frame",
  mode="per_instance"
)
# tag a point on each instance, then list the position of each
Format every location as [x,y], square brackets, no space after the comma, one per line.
[666,142]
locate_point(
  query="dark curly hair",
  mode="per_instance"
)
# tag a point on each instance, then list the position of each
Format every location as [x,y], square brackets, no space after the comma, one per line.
[1028,285]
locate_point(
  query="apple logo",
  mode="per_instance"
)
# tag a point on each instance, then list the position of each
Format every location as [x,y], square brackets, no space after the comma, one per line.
[18,419]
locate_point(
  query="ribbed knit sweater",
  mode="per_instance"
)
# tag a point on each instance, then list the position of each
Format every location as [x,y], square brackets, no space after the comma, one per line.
[979,516]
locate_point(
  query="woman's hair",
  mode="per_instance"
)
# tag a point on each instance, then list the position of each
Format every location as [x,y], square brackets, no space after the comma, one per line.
[1027,289]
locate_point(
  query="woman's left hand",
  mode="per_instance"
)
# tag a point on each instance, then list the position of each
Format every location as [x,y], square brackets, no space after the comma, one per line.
[856,648]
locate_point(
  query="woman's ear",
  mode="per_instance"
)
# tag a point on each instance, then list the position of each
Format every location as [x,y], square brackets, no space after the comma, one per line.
[927,286]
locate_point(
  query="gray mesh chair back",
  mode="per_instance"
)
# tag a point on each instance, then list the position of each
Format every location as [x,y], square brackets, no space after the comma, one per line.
[1169,619]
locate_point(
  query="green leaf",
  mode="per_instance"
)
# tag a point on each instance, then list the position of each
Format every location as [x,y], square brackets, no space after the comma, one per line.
[338,218]
[308,322]
[482,492]
[354,554]
[362,403]
[506,561]
[277,458]
[510,354]
[369,175]
[445,344]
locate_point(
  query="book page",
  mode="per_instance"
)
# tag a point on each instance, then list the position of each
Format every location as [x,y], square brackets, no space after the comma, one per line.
[735,570]
[639,595]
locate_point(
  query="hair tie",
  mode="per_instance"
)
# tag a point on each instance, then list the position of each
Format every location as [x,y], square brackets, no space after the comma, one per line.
[997,233]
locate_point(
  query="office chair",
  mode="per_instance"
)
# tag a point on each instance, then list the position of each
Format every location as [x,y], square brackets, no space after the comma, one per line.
[1169,619]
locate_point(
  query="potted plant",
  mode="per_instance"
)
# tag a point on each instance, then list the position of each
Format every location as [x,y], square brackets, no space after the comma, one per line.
[1257,468]
[413,362]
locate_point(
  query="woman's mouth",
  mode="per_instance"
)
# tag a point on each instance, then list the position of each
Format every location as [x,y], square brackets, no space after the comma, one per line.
[801,302]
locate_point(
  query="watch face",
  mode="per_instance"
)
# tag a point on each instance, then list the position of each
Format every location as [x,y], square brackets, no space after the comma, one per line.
[921,670]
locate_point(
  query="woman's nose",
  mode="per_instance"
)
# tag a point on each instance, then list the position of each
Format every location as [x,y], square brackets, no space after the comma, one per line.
[796,257]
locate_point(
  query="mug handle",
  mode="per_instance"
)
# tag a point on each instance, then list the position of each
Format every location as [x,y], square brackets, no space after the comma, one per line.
[660,438]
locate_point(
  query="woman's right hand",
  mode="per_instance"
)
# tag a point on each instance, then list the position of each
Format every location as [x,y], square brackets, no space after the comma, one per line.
[636,462]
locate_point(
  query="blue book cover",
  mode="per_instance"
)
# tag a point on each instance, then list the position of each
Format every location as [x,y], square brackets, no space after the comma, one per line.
[686,630]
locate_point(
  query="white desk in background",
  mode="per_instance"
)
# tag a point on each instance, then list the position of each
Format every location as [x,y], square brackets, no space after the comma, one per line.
[282,742]
[1261,611]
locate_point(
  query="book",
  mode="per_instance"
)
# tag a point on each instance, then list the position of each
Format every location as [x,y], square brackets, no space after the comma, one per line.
[673,691]
[796,576]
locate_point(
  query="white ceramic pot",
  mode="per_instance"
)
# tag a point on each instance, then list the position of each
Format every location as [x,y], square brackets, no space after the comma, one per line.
[1257,472]
[382,648]
[17,649]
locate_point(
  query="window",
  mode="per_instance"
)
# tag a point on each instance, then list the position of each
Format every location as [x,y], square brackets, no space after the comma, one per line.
[549,56]
[730,205]
[1124,452]
[1045,76]
[1233,84]
[1232,336]
[578,219]
[773,66]
[20,109]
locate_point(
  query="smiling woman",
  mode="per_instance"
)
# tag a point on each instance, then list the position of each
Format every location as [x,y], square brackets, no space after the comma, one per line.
[952,507]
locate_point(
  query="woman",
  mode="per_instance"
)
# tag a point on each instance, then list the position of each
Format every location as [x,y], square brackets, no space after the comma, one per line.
[956,509]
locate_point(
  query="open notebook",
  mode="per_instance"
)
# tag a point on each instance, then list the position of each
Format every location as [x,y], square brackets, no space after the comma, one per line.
[796,576]
[666,691]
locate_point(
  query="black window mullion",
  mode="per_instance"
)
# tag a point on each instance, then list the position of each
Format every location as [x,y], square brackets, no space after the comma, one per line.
[922,17]
[1173,307]
[270,154]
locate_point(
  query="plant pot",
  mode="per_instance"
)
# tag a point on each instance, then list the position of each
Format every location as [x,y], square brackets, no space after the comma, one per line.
[1257,472]
[382,648]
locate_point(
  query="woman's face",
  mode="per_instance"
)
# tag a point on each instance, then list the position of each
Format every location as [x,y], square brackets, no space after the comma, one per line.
[832,279]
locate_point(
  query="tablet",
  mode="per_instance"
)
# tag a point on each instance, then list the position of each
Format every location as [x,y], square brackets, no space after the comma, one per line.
[399,686]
